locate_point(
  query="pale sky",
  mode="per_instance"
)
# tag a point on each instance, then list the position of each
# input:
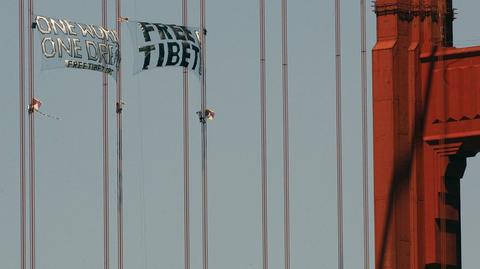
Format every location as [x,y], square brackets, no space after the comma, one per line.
[69,151]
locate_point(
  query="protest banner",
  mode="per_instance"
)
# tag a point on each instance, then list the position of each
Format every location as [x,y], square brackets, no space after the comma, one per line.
[164,45]
[69,44]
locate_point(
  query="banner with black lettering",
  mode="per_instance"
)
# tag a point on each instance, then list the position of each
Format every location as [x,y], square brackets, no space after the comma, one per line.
[69,44]
[163,45]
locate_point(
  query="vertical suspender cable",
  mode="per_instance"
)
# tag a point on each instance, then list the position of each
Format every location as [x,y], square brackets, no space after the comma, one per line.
[338,61]
[31,134]
[204,136]
[263,124]
[119,108]
[366,221]
[21,110]
[286,162]
[186,155]
[106,238]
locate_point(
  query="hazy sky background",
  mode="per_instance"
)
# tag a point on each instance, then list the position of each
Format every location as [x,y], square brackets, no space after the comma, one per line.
[69,151]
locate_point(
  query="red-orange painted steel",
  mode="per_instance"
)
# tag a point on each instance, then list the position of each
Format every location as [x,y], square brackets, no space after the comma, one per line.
[426,117]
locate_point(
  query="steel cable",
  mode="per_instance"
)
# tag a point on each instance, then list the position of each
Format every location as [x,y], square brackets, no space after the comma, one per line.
[286,144]
[263,134]
[31,133]
[204,136]
[186,154]
[365,162]
[119,110]
[338,80]
[21,107]
[106,235]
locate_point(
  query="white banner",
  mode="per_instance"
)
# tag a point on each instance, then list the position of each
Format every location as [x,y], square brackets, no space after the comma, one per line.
[163,45]
[76,45]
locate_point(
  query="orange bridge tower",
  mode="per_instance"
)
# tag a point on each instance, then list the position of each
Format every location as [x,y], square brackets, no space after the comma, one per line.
[426,117]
